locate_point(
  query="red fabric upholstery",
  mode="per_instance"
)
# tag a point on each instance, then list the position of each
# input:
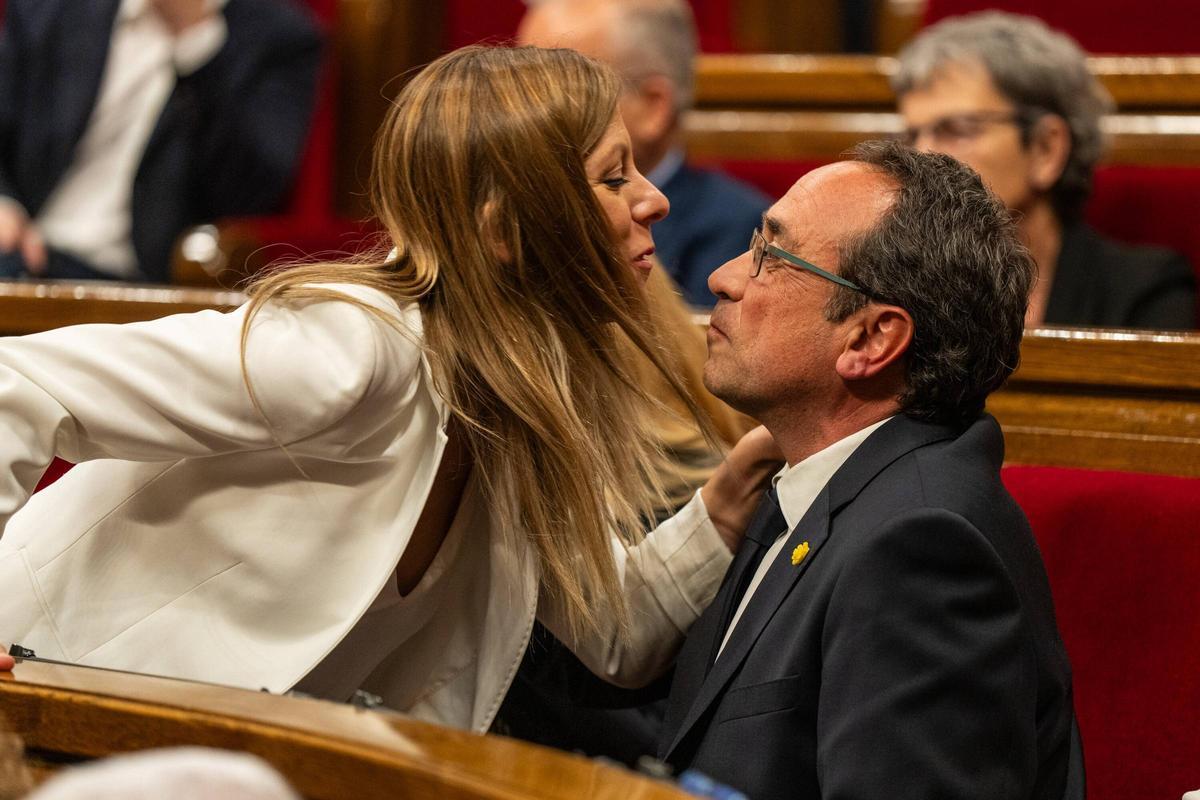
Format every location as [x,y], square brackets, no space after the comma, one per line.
[1123,554]
[56,470]
[1149,205]
[1107,26]
[469,21]
[773,178]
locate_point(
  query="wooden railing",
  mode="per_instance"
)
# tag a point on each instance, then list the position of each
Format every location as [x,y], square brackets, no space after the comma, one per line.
[29,307]
[815,107]
[327,751]
[1104,399]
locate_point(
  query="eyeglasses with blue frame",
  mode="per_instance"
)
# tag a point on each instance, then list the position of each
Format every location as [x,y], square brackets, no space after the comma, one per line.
[760,248]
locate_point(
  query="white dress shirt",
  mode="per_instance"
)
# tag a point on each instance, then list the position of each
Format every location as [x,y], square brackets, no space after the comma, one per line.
[89,212]
[798,486]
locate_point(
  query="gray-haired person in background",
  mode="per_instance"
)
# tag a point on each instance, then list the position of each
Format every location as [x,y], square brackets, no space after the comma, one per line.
[1015,100]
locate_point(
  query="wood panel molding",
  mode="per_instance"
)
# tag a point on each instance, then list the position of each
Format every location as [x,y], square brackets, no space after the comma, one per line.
[797,107]
[34,306]
[1137,83]
[1105,399]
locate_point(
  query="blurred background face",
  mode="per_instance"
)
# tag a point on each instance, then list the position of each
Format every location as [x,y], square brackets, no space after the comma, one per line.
[961,113]
[591,27]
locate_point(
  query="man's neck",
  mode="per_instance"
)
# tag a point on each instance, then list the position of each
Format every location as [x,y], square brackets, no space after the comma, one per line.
[1041,231]
[800,435]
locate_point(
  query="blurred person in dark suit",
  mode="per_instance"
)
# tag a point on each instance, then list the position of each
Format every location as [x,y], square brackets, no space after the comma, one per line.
[1015,101]
[652,44]
[122,122]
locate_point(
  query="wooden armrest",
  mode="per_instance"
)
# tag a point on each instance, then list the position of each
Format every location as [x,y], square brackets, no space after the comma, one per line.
[66,713]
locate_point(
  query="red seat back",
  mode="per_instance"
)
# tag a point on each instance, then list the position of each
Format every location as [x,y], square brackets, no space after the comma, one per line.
[1149,205]
[1123,554]
[1100,26]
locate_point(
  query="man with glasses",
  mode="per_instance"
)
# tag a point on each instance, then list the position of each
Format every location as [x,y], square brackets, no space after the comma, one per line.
[1016,101]
[886,628]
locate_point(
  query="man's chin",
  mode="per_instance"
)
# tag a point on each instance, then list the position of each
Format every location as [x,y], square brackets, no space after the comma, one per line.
[722,388]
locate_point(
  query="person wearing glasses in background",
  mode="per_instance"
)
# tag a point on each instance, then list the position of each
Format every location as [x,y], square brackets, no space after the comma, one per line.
[886,627]
[1015,100]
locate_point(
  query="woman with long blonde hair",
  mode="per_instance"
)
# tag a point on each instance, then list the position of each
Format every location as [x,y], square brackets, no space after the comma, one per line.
[375,473]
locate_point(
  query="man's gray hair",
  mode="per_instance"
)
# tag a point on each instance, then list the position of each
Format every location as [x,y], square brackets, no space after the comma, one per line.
[658,37]
[947,253]
[1040,70]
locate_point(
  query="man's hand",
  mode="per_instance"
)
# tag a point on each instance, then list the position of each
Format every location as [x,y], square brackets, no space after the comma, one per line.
[733,491]
[179,15]
[18,233]
[6,661]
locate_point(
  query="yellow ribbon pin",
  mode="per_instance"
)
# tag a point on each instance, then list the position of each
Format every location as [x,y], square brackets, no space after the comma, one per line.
[799,553]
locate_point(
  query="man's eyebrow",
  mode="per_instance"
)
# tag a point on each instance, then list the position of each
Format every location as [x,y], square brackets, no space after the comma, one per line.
[773,225]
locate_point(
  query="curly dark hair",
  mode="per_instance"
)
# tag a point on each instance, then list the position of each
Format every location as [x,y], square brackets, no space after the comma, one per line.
[947,253]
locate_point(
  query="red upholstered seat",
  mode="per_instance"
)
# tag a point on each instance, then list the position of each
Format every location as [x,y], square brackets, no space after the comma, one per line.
[1123,554]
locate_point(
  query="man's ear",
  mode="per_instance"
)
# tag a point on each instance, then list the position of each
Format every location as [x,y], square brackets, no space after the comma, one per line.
[1049,148]
[651,109]
[878,337]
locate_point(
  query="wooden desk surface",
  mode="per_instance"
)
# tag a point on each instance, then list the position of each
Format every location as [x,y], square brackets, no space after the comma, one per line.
[326,750]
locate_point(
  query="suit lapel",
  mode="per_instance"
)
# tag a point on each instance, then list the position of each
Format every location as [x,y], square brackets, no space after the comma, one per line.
[86,37]
[696,655]
[780,578]
[892,441]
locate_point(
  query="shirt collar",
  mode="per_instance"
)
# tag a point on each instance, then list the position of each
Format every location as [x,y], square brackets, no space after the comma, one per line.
[666,168]
[132,9]
[800,484]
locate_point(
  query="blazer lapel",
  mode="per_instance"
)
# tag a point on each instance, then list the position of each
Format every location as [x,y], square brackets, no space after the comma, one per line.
[780,578]
[894,440]
[696,656]
[86,37]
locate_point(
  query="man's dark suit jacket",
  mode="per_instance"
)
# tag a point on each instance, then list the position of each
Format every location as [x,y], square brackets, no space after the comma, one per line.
[711,220]
[913,653]
[1104,283]
[227,142]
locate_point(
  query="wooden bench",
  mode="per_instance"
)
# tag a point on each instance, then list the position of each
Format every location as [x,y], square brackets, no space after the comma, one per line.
[1100,399]
[814,107]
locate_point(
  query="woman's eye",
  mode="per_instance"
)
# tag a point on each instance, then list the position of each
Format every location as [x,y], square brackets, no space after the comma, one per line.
[615,183]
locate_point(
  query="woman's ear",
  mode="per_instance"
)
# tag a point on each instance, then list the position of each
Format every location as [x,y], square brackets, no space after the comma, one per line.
[1049,149]
[492,232]
[878,336]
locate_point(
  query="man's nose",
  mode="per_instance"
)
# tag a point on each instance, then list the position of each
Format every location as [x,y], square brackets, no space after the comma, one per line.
[729,279]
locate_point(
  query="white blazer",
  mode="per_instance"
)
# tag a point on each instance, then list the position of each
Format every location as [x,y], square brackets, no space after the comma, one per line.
[198,541]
